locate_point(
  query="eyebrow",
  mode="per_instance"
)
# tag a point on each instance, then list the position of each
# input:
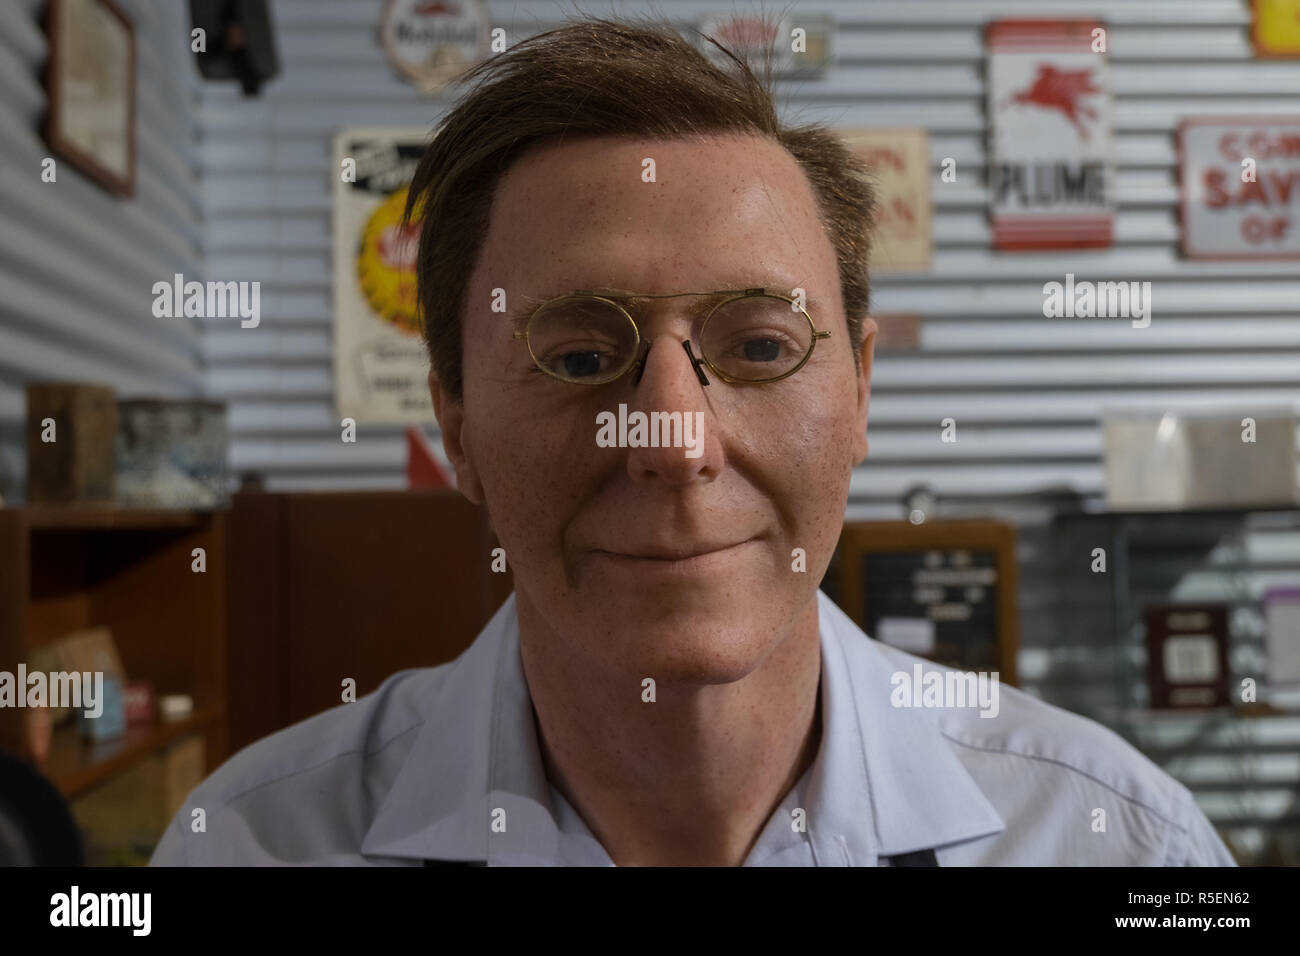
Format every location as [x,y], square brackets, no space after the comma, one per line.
[525,307]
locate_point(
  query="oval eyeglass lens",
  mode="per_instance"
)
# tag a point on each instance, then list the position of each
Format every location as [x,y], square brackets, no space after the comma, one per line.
[755,338]
[582,340]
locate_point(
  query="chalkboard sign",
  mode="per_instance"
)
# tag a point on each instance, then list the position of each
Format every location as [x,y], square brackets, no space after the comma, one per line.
[943,590]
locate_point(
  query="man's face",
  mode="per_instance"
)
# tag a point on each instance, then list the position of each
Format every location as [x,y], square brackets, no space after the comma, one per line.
[643,560]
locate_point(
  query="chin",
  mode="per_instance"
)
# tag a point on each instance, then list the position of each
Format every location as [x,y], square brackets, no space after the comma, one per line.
[694,641]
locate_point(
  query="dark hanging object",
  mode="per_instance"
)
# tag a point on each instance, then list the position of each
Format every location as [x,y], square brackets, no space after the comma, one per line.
[240,43]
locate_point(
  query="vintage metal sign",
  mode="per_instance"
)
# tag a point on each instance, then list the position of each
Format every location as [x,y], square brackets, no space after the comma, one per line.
[1052,173]
[798,45]
[1240,181]
[380,363]
[1275,29]
[900,165]
[431,42]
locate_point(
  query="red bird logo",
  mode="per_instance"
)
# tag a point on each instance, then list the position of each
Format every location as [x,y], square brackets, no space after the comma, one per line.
[1061,90]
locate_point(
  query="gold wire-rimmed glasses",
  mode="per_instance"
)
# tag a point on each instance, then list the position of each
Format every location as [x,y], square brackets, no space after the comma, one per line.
[749,337]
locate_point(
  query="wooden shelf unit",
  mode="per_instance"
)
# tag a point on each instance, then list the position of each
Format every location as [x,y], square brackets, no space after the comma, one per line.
[69,568]
[76,766]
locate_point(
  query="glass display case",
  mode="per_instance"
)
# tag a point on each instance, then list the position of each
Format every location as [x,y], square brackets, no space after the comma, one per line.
[1118,576]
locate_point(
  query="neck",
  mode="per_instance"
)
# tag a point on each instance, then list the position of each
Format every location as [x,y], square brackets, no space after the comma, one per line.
[690,779]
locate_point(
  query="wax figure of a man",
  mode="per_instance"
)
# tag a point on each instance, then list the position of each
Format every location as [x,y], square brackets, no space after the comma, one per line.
[609,219]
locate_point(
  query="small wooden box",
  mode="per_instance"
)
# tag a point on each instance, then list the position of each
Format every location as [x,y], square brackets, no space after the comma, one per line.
[1187,655]
[79,465]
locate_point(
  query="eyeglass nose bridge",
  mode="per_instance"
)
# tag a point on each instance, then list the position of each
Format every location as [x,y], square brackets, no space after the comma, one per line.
[638,367]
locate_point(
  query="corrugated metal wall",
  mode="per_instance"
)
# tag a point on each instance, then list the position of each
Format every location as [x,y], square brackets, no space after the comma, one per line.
[77,265]
[1025,390]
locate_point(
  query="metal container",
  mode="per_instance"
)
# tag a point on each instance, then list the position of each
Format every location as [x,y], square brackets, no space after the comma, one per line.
[172,454]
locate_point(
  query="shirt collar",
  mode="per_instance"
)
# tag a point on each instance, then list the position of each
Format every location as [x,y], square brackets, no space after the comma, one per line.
[473,786]
[887,781]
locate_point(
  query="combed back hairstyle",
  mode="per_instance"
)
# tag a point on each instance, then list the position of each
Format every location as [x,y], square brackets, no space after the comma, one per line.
[596,77]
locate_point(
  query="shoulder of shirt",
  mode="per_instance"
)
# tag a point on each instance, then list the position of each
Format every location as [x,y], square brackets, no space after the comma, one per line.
[388,717]
[1027,729]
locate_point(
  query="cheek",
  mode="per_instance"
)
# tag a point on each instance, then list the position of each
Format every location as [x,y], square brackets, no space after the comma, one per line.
[535,470]
[810,438]
[812,432]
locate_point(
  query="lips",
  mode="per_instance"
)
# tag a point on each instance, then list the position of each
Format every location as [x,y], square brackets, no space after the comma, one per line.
[673,552]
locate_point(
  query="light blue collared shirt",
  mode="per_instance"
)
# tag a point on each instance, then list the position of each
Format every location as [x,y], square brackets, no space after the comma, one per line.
[443,763]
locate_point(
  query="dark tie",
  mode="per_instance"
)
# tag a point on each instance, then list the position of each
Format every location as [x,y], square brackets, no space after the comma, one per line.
[915,858]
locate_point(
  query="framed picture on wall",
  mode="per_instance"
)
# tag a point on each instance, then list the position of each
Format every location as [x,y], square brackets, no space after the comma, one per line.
[90,87]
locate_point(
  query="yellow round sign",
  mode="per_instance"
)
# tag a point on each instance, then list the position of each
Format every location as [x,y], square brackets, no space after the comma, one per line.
[386,263]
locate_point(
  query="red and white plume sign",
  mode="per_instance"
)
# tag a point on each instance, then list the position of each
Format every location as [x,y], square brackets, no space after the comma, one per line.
[1052,172]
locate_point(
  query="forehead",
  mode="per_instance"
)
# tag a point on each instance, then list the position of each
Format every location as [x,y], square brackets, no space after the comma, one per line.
[655,215]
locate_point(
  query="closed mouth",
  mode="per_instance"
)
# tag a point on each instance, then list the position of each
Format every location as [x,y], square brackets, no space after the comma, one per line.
[671,554]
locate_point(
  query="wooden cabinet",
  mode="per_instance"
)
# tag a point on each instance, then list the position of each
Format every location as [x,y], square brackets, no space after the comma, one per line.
[299,593]
[326,586]
[65,569]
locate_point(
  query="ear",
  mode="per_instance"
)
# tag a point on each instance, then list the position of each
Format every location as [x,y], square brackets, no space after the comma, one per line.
[866,352]
[455,439]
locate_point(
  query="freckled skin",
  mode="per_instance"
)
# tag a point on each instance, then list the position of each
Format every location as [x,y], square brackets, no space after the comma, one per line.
[732,646]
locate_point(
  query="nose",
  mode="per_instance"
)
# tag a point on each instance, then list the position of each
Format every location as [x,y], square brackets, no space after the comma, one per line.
[668,383]
[690,355]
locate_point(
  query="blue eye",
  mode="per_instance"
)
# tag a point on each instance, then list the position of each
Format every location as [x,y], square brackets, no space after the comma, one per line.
[762,350]
[580,364]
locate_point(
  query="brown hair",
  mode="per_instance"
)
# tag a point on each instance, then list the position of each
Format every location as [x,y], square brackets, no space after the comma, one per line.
[597,77]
